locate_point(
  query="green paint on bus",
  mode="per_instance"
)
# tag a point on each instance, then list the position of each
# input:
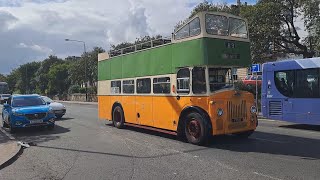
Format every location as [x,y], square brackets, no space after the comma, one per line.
[166,59]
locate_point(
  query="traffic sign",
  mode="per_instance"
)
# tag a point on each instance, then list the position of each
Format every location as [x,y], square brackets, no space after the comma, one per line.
[256,68]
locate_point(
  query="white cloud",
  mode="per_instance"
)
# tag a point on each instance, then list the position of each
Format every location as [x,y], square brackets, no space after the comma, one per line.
[32,29]
[37,48]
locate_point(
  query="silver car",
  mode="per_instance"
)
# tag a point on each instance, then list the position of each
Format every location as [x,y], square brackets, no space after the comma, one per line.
[58,108]
[4,97]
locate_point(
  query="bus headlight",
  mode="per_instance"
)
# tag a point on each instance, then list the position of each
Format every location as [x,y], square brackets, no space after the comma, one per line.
[220,112]
[253,109]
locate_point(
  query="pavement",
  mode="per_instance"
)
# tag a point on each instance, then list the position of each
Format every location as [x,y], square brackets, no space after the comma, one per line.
[83,147]
[9,148]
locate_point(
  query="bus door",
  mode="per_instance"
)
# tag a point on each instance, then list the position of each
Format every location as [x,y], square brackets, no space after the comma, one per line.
[144,102]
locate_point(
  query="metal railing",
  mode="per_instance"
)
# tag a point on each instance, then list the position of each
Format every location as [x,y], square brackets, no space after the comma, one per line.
[140,46]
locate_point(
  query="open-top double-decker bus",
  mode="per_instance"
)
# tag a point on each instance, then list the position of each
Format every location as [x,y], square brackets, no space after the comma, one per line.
[181,85]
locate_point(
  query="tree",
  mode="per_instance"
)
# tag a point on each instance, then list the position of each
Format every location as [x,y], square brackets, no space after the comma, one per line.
[3,78]
[273,27]
[25,77]
[58,79]
[42,73]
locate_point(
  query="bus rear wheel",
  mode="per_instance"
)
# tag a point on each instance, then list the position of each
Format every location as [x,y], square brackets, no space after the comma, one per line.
[118,117]
[196,129]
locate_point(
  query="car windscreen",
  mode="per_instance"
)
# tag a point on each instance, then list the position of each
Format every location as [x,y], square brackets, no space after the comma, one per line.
[27,101]
[46,99]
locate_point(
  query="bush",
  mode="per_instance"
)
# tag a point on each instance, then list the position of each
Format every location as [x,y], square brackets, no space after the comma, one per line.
[74,89]
[92,90]
[82,90]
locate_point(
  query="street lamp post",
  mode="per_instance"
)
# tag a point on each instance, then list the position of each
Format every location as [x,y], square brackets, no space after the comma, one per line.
[85,64]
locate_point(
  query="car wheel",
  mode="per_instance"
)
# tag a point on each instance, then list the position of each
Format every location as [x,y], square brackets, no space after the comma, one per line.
[244,135]
[51,127]
[196,129]
[118,117]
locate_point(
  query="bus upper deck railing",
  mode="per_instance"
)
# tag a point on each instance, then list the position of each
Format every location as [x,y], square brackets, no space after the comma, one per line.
[140,46]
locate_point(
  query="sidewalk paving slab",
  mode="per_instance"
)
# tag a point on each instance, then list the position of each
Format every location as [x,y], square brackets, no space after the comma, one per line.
[9,148]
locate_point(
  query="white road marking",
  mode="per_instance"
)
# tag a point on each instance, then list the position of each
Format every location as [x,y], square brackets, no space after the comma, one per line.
[7,134]
[267,176]
[261,139]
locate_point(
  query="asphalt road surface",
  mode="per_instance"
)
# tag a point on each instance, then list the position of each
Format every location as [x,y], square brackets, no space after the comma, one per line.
[82,147]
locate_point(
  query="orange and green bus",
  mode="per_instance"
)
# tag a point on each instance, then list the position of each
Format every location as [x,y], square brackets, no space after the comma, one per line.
[183,85]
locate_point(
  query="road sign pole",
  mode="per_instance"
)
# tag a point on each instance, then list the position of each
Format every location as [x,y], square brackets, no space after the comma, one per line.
[257,92]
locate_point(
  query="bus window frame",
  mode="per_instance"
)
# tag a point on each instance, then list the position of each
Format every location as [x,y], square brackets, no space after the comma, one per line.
[156,83]
[150,85]
[184,91]
[296,85]
[113,88]
[123,84]
[188,25]
[217,34]
[246,25]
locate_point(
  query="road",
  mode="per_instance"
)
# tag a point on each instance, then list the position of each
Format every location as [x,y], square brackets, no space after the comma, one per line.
[82,147]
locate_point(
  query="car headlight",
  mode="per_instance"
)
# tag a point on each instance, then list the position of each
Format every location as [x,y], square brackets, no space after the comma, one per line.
[253,109]
[220,112]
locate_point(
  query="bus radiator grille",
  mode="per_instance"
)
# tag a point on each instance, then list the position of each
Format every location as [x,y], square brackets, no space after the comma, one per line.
[237,113]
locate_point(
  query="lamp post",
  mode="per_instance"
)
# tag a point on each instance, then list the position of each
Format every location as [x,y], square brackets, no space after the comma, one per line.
[85,64]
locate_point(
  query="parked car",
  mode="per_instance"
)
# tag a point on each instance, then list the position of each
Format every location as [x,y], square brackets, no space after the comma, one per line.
[250,80]
[4,97]
[58,108]
[23,111]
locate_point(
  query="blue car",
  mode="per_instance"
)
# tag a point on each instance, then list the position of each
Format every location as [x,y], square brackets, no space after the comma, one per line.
[22,111]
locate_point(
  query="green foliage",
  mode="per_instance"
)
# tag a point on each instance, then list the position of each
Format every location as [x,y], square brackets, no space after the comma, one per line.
[55,76]
[58,79]
[82,90]
[273,28]
[74,89]
[42,73]
[3,78]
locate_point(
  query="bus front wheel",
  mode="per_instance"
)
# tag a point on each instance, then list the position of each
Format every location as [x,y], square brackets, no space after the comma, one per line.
[196,129]
[118,117]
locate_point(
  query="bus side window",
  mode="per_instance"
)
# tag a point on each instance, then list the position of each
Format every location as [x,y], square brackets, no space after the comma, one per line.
[161,85]
[183,81]
[115,87]
[144,86]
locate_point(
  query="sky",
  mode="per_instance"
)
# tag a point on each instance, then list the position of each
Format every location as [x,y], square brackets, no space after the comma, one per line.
[31,30]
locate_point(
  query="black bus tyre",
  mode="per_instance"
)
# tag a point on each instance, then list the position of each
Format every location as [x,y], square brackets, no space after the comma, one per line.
[196,129]
[118,117]
[244,135]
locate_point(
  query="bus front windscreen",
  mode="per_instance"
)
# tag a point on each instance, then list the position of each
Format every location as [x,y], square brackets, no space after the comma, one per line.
[220,78]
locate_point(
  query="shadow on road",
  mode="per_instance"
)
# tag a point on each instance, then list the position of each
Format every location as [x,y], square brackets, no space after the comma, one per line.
[64,119]
[269,143]
[259,142]
[39,134]
[302,127]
